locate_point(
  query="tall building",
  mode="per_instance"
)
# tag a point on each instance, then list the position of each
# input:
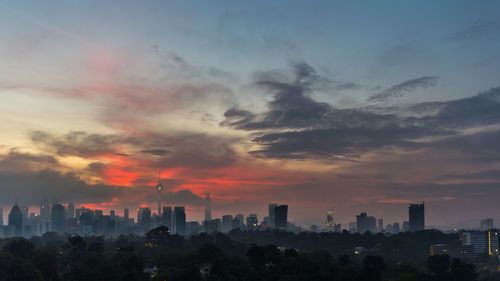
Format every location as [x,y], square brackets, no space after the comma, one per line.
[271,214]
[126,214]
[45,209]
[380,225]
[179,220]
[240,218]
[208,207]
[329,224]
[58,218]
[25,212]
[281,216]
[167,217]
[417,216]
[365,223]
[145,221]
[252,221]
[486,224]
[396,228]
[71,211]
[227,222]
[406,226]
[1,217]
[16,220]
[482,241]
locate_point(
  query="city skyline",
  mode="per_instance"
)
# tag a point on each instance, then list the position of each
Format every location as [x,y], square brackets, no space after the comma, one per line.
[333,105]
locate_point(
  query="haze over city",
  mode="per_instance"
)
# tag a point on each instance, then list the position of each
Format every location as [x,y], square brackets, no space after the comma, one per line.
[351,107]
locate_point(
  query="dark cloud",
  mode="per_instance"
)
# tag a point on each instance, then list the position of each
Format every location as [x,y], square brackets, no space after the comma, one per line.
[405,87]
[477,31]
[193,150]
[157,152]
[489,175]
[21,161]
[297,126]
[30,187]
[77,143]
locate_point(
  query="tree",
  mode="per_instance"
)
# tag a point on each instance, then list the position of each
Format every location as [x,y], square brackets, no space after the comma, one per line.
[21,248]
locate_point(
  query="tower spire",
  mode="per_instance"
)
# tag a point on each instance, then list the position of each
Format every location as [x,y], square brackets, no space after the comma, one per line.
[159,188]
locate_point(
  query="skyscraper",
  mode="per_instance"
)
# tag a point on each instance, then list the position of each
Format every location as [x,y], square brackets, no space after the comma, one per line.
[44,209]
[482,241]
[145,220]
[486,224]
[71,211]
[227,221]
[281,216]
[208,207]
[126,213]
[380,223]
[252,221]
[329,224]
[365,223]
[167,217]
[1,217]
[58,218]
[179,220]
[16,220]
[272,216]
[417,216]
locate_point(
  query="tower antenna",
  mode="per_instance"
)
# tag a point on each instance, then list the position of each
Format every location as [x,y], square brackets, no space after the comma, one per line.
[159,188]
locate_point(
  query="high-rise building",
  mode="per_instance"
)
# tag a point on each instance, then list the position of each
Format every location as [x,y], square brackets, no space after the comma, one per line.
[1,217]
[208,207]
[16,220]
[112,214]
[167,217]
[252,221]
[338,228]
[240,218]
[71,211]
[396,227]
[25,211]
[227,222]
[380,225]
[329,224]
[281,216]
[486,224]
[417,216]
[179,220]
[365,223]
[44,209]
[271,214]
[145,222]
[126,214]
[482,241]
[406,226]
[58,218]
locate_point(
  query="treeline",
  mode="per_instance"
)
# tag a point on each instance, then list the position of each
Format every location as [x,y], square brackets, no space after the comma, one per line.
[237,256]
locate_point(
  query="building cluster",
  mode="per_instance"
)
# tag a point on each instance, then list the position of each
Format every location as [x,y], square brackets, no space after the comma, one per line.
[65,218]
[473,244]
[365,223]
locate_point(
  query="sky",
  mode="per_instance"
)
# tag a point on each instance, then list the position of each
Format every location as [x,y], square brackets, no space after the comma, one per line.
[351,106]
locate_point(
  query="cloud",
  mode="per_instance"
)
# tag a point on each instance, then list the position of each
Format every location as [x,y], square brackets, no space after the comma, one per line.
[16,160]
[405,87]
[295,125]
[477,31]
[157,152]
[31,187]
